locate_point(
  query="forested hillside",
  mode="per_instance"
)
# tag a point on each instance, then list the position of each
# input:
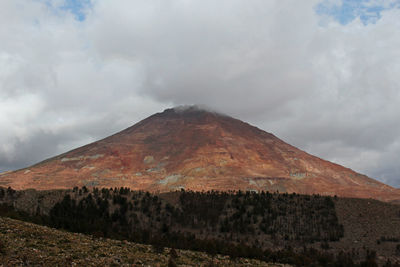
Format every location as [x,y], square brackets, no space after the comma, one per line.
[288,228]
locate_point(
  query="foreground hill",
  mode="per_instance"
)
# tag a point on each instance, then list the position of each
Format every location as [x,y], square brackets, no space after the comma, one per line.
[197,150]
[287,228]
[27,244]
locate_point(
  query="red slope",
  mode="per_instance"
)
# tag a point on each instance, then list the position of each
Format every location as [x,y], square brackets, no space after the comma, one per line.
[198,150]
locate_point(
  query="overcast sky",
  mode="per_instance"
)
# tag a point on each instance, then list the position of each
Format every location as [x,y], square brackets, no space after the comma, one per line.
[322,75]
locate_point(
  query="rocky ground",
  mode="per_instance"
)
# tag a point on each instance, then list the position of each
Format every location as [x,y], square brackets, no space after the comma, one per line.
[369,225]
[26,244]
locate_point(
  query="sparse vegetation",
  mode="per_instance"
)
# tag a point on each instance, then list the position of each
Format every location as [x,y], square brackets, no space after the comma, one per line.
[295,229]
[232,217]
[27,244]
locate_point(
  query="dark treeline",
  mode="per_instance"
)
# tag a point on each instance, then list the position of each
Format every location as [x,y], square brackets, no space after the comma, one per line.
[231,216]
[239,224]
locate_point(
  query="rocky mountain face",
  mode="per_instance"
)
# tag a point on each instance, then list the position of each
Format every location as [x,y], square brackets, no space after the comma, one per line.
[198,150]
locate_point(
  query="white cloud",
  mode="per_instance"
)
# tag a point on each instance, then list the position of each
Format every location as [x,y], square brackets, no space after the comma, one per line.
[55,94]
[331,89]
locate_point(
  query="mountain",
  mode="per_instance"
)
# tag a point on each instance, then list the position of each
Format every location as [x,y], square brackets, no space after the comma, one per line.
[196,149]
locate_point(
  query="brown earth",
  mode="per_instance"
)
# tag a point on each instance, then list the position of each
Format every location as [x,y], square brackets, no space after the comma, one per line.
[198,150]
[27,244]
[369,224]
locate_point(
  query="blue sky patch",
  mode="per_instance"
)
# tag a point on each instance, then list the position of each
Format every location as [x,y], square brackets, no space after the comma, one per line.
[369,11]
[76,7]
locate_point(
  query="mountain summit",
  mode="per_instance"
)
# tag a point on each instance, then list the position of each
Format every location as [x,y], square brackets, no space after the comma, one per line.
[195,149]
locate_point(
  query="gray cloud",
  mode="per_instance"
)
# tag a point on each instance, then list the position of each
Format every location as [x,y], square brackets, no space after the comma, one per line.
[328,88]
